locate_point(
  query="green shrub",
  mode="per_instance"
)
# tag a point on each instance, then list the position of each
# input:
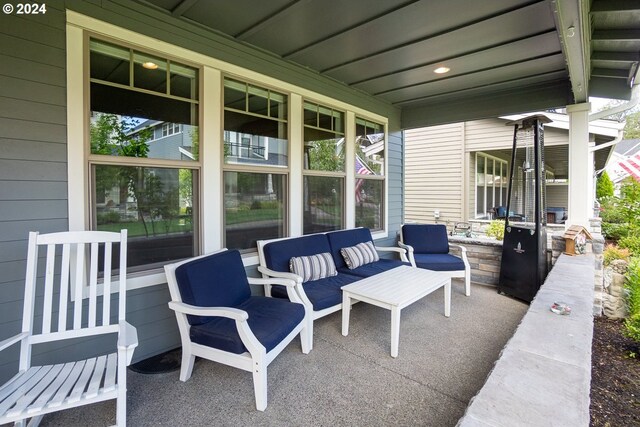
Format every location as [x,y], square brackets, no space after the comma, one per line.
[611,211]
[631,241]
[270,204]
[604,187]
[632,286]
[110,217]
[613,252]
[496,229]
[614,231]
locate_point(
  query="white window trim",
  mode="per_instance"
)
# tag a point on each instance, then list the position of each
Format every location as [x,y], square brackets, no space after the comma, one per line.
[211,105]
[475,179]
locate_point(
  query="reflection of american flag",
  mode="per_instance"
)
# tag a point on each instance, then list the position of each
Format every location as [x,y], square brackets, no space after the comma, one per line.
[630,165]
[361,169]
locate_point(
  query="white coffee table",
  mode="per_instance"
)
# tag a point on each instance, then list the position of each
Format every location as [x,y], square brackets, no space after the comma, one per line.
[394,290]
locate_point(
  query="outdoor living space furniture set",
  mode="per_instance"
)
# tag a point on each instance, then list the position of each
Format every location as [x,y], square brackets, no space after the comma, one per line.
[219,319]
[305,278]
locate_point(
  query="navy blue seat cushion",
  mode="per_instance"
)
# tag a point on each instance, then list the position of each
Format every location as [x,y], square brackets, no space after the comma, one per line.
[270,320]
[322,293]
[374,267]
[439,262]
[426,238]
[278,254]
[217,280]
[344,239]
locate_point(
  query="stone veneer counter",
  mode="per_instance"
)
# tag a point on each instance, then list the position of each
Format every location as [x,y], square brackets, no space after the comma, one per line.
[484,256]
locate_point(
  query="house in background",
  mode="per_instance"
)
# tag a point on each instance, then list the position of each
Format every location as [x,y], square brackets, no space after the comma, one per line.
[625,162]
[459,172]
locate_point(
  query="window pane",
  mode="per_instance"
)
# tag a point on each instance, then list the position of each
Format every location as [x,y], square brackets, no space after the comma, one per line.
[155,205]
[235,95]
[480,183]
[370,146]
[184,81]
[258,100]
[254,140]
[254,208]
[323,151]
[310,114]
[369,203]
[109,62]
[278,106]
[149,72]
[129,123]
[323,204]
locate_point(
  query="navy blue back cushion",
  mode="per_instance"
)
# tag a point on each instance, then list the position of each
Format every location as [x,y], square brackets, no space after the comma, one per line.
[426,238]
[345,238]
[217,280]
[277,254]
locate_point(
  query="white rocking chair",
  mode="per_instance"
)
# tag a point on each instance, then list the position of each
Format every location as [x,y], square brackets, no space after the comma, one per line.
[38,390]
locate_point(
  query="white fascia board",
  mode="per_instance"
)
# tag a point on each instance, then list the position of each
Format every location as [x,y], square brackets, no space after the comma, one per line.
[609,128]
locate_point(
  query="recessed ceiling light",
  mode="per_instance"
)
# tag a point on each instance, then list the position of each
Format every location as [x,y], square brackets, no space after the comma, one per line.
[441,70]
[150,65]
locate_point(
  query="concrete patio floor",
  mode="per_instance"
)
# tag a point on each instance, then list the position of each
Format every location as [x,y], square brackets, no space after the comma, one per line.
[353,380]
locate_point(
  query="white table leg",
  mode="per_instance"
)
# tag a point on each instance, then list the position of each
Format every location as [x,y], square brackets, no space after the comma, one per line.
[346,308]
[395,330]
[447,299]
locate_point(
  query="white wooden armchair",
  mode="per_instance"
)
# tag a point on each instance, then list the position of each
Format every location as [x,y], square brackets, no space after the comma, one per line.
[37,390]
[219,320]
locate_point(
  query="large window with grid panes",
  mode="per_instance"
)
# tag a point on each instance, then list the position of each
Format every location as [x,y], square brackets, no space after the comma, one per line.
[139,181]
[323,168]
[369,160]
[190,156]
[256,160]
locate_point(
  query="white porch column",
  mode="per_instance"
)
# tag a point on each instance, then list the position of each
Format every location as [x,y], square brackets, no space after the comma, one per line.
[580,169]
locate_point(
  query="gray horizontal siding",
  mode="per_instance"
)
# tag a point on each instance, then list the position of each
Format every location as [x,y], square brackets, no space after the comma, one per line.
[18,149]
[37,53]
[32,111]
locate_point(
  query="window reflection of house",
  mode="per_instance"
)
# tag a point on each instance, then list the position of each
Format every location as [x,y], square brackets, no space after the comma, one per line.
[169,140]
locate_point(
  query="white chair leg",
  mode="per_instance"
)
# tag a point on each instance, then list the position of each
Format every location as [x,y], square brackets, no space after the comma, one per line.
[186,367]
[260,381]
[35,421]
[305,340]
[467,283]
[310,331]
[121,400]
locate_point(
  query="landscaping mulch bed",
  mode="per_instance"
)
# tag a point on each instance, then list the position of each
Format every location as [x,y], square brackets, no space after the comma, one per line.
[615,376]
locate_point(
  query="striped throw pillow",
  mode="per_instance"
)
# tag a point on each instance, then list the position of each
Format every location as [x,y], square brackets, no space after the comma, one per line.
[313,267]
[360,254]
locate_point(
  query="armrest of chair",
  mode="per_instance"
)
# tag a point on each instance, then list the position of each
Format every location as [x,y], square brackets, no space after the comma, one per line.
[240,317]
[401,251]
[279,274]
[409,250]
[13,340]
[273,281]
[463,255]
[463,249]
[127,340]
[295,292]
[229,312]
